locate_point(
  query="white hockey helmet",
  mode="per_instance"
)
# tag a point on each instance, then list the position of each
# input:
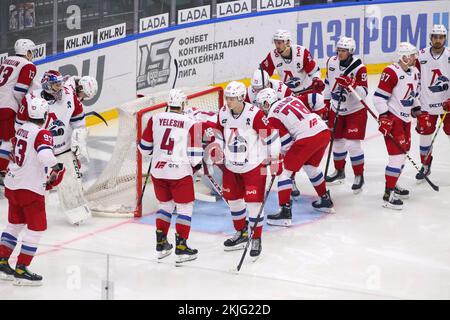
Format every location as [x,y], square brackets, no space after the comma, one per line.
[257,81]
[23,46]
[438,29]
[406,49]
[282,35]
[235,89]
[89,86]
[266,95]
[38,109]
[346,43]
[177,99]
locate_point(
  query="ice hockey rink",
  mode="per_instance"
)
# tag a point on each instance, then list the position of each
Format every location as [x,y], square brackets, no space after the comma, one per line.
[362,252]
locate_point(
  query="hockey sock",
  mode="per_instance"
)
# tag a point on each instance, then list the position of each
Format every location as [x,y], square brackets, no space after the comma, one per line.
[253,209]
[284,187]
[238,214]
[9,239]
[315,175]
[425,144]
[3,164]
[29,246]
[356,156]
[339,154]
[164,215]
[183,224]
[393,170]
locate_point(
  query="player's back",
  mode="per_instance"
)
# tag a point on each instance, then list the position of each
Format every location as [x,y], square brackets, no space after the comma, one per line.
[16,74]
[171,138]
[297,118]
[27,172]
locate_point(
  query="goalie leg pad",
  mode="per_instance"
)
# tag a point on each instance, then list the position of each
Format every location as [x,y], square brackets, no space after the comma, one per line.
[70,191]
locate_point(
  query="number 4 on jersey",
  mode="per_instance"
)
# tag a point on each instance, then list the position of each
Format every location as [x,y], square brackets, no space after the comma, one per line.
[167,143]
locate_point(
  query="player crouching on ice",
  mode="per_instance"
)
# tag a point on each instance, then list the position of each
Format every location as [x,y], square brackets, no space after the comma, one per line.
[25,185]
[396,98]
[249,143]
[66,122]
[304,139]
[173,139]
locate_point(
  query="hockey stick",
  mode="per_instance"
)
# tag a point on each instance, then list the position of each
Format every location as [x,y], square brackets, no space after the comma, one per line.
[93,113]
[433,186]
[352,67]
[256,223]
[213,181]
[262,75]
[150,164]
[434,137]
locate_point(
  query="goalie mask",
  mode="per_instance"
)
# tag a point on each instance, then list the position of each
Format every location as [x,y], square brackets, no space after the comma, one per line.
[52,83]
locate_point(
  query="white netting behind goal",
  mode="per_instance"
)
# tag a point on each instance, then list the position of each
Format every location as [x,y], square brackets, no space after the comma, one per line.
[117,189]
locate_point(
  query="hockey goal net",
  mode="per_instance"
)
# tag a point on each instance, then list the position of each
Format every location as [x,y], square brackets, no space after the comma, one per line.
[117,190]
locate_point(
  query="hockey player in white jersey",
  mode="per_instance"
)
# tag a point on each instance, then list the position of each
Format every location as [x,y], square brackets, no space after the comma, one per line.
[25,184]
[396,98]
[249,144]
[66,117]
[173,139]
[351,119]
[434,66]
[16,76]
[304,139]
[293,61]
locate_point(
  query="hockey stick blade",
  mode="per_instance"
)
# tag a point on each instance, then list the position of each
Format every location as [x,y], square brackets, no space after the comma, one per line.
[93,113]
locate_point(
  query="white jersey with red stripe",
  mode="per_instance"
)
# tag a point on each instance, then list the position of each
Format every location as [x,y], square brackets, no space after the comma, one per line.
[16,76]
[199,115]
[280,88]
[301,65]
[434,79]
[294,121]
[397,91]
[349,102]
[173,140]
[27,171]
[64,115]
[247,138]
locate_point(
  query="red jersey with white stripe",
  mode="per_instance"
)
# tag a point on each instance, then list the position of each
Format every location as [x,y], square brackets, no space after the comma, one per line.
[27,171]
[16,76]
[434,79]
[174,139]
[397,91]
[350,103]
[64,116]
[294,121]
[247,138]
[280,88]
[301,65]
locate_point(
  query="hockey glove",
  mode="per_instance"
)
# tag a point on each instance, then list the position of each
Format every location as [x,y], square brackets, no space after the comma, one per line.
[196,168]
[446,105]
[346,82]
[56,176]
[317,85]
[385,124]
[424,125]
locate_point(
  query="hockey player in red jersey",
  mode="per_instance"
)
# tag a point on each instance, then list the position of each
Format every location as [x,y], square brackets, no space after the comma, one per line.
[16,76]
[434,66]
[249,143]
[396,98]
[25,185]
[351,119]
[304,137]
[174,141]
[292,61]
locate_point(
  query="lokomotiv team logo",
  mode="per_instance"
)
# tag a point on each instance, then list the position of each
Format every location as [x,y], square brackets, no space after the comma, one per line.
[439,82]
[154,64]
